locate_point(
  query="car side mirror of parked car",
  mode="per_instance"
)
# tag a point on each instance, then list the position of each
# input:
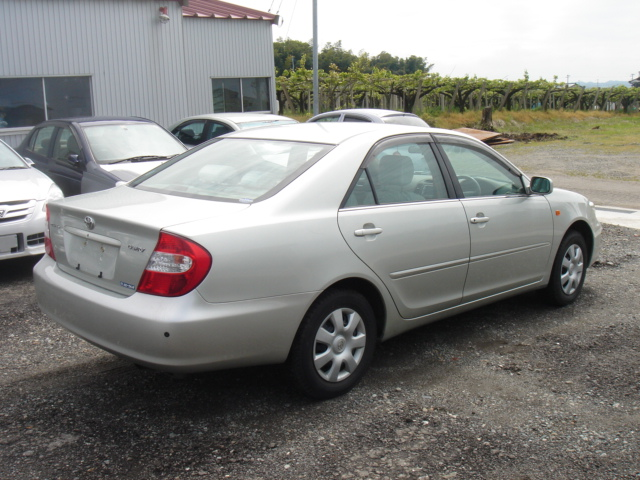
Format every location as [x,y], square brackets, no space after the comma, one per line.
[74,160]
[541,185]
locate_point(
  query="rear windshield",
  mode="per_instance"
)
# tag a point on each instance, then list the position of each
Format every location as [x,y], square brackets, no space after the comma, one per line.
[405,120]
[234,169]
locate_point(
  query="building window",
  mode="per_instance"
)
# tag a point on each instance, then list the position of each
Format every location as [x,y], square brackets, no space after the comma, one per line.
[241,95]
[25,102]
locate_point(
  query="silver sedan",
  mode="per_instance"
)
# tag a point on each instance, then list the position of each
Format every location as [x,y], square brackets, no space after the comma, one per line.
[307,244]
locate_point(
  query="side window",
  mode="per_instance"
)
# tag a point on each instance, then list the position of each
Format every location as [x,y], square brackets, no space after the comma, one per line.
[218,129]
[65,145]
[402,173]
[480,175]
[190,133]
[351,118]
[41,140]
[330,118]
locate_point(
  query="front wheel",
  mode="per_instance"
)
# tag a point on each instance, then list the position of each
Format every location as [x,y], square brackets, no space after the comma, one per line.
[334,345]
[569,270]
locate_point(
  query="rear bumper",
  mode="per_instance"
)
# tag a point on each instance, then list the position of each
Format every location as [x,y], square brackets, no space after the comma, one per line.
[183,334]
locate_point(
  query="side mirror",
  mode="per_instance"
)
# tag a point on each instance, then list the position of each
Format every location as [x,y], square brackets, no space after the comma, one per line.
[541,185]
[74,160]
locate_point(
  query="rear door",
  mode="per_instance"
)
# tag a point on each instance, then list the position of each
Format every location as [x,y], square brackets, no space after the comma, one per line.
[511,232]
[399,219]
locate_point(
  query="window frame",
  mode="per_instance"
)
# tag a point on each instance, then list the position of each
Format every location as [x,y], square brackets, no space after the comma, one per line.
[241,102]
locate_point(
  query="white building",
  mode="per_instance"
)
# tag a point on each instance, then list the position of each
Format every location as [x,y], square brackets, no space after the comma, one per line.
[162,60]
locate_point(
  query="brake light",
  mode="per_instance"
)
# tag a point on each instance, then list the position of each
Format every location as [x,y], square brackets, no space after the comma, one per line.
[48,246]
[176,267]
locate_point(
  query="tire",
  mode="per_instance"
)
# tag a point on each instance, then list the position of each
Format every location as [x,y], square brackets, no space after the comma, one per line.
[334,345]
[569,270]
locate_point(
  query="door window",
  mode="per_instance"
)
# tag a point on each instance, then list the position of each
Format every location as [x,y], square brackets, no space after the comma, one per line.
[40,141]
[65,145]
[402,173]
[190,133]
[480,175]
[218,129]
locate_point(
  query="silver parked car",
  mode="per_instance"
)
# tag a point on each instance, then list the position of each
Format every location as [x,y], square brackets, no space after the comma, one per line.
[307,244]
[24,192]
[374,115]
[193,131]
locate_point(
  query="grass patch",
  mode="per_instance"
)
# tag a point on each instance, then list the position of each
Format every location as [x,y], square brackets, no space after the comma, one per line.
[596,131]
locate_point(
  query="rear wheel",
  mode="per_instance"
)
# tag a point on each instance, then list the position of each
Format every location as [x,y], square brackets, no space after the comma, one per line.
[334,345]
[569,270]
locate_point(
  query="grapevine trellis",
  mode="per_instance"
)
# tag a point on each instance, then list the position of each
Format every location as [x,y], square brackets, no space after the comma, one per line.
[423,91]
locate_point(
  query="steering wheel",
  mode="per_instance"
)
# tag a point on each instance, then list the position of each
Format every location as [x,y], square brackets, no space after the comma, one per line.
[470,186]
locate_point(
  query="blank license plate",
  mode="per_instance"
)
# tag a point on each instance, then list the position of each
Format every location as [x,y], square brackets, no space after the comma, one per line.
[8,243]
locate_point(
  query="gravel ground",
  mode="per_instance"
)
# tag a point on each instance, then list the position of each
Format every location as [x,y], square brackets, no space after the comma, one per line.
[516,390]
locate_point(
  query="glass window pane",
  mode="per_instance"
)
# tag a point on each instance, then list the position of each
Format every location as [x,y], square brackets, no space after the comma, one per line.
[226,95]
[190,133]
[40,142]
[21,102]
[232,169]
[480,175]
[68,97]
[255,94]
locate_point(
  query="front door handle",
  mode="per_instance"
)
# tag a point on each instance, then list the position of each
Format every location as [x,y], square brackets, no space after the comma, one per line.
[475,220]
[363,232]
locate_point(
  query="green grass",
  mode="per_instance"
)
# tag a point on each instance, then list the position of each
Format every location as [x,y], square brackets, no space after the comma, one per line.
[595,131]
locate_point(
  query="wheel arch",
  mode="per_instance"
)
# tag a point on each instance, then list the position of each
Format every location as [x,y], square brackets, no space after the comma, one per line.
[584,229]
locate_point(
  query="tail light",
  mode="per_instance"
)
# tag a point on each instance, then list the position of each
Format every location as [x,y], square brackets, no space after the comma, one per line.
[48,246]
[176,267]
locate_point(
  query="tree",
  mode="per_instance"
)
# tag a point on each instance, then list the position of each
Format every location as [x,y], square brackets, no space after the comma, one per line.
[289,53]
[334,54]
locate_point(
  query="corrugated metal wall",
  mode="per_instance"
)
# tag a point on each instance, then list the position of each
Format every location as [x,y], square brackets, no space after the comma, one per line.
[224,49]
[138,65]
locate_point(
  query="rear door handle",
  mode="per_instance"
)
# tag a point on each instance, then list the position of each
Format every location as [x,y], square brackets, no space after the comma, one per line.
[363,232]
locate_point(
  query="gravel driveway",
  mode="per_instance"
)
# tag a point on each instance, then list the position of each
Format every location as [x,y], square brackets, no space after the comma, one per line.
[515,390]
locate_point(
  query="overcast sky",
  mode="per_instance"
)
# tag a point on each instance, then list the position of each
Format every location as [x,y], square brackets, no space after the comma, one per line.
[586,40]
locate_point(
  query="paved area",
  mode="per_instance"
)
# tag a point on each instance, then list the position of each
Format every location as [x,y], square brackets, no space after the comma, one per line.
[624,217]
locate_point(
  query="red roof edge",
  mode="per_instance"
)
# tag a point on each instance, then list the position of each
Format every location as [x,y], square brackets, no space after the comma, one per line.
[223,10]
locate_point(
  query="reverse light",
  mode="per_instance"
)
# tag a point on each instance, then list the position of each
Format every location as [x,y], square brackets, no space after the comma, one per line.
[176,267]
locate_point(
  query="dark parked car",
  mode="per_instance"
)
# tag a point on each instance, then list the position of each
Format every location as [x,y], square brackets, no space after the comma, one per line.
[89,154]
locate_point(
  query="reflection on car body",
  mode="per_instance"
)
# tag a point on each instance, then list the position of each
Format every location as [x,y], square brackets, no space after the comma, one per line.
[307,244]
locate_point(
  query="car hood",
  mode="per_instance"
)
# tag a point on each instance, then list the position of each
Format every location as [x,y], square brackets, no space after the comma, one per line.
[27,183]
[129,171]
[106,238]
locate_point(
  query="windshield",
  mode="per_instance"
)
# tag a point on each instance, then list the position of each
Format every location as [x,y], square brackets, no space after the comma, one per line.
[10,160]
[234,169]
[117,142]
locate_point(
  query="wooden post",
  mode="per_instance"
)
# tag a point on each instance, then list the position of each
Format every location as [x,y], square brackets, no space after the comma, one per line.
[487,119]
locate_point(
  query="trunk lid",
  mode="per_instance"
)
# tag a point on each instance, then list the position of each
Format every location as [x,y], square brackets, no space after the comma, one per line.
[106,238]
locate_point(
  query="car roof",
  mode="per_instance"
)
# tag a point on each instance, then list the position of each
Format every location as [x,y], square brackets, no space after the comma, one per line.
[334,133]
[376,112]
[236,117]
[85,120]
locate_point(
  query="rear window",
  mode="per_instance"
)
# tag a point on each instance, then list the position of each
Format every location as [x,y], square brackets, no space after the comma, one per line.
[405,120]
[234,169]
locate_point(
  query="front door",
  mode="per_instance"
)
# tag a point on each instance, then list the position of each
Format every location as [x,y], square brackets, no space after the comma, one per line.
[511,232]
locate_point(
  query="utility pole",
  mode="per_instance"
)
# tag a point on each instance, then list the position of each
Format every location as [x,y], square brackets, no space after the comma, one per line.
[316,96]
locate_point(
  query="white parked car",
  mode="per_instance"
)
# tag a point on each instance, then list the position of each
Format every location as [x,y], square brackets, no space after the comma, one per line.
[193,131]
[373,115]
[24,192]
[307,244]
